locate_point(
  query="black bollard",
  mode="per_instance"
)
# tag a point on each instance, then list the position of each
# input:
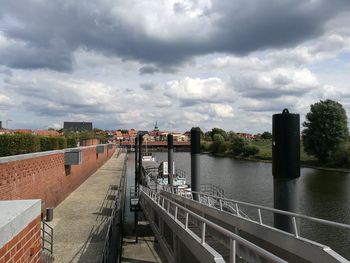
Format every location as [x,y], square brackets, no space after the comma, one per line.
[195,154]
[171,171]
[285,165]
[140,158]
[135,163]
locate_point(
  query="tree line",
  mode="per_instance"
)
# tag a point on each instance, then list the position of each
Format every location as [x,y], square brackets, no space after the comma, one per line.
[325,136]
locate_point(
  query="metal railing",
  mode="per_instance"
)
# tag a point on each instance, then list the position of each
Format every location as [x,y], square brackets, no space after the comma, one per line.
[208,197]
[258,208]
[114,238]
[235,240]
[46,237]
[212,190]
[180,173]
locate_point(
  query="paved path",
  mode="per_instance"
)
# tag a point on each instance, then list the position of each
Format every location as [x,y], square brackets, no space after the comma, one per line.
[146,250]
[81,220]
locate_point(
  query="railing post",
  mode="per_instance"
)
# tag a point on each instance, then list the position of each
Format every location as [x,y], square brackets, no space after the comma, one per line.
[232,250]
[175,216]
[260,217]
[295,227]
[203,233]
[220,204]
[186,221]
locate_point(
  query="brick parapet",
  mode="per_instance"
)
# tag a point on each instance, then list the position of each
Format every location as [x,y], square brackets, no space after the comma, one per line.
[44,175]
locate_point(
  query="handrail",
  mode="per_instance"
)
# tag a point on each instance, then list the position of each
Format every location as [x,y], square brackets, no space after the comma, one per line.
[156,197]
[282,212]
[49,234]
[214,189]
[273,210]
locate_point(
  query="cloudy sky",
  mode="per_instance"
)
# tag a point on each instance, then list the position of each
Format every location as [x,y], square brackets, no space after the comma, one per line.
[183,63]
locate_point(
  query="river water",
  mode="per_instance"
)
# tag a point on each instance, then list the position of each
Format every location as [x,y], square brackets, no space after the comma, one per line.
[321,194]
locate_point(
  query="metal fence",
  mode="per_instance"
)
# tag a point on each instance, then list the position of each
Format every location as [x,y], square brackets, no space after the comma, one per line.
[114,238]
[46,237]
[174,209]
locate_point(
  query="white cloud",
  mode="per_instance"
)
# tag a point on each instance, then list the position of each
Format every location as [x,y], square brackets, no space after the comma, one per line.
[217,110]
[195,90]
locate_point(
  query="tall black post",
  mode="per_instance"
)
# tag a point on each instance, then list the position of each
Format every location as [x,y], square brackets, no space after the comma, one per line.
[136,163]
[171,171]
[285,165]
[140,158]
[195,154]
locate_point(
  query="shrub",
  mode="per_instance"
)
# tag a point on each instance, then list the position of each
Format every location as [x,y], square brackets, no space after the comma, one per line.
[205,146]
[62,143]
[71,142]
[250,150]
[12,144]
[340,156]
[52,143]
[237,145]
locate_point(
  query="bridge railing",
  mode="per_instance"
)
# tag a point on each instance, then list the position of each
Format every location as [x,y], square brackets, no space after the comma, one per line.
[258,209]
[234,240]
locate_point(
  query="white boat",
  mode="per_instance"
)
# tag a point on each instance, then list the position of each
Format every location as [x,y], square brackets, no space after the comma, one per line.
[155,175]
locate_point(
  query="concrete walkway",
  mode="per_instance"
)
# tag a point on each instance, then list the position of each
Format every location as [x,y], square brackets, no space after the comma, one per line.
[81,220]
[146,250]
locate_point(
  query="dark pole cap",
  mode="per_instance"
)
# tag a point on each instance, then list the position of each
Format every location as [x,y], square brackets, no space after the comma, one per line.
[170,138]
[195,141]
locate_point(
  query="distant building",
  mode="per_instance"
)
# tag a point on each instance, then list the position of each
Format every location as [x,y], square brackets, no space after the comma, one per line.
[77,126]
[23,131]
[47,133]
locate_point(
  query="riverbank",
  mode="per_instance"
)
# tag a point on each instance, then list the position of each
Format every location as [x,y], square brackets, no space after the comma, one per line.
[304,164]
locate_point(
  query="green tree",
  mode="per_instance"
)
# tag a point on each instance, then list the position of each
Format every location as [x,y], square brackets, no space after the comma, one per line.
[218,131]
[218,145]
[237,145]
[266,135]
[326,129]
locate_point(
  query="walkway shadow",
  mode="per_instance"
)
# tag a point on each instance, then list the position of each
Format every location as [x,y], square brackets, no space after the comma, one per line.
[92,249]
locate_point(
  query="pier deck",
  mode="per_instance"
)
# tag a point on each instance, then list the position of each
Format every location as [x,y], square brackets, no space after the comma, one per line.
[81,220]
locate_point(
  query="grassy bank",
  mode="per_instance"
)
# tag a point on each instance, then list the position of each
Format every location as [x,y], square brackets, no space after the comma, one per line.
[265,152]
[265,155]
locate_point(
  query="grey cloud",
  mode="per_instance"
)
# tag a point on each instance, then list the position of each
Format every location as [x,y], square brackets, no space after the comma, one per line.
[52,30]
[52,97]
[270,106]
[6,72]
[148,86]
[148,70]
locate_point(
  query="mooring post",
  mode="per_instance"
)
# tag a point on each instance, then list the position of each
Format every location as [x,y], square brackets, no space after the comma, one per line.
[285,165]
[195,155]
[136,164]
[140,158]
[171,171]
[136,192]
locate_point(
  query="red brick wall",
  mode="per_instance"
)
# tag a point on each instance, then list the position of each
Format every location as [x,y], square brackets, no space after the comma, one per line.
[89,142]
[25,247]
[46,178]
